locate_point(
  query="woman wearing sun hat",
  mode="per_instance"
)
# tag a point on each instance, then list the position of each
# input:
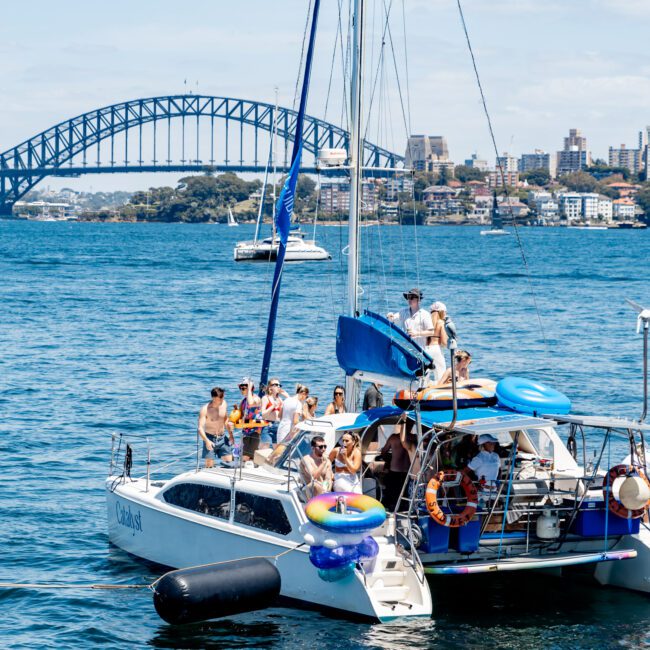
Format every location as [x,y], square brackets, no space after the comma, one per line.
[486,464]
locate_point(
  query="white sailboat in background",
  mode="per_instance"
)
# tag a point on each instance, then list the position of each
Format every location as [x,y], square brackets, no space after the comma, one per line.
[231,218]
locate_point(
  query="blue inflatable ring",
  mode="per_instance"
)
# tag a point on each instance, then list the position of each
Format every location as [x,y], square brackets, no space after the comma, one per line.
[531,397]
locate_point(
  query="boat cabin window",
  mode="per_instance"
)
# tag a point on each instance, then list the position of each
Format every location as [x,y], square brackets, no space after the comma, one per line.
[542,441]
[206,499]
[261,512]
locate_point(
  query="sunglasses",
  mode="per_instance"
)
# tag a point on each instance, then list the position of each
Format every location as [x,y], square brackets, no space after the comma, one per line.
[320,446]
[339,393]
[412,297]
[278,385]
[243,386]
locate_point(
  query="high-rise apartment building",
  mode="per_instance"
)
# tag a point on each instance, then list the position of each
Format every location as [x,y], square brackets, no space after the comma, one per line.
[538,160]
[628,158]
[422,150]
[575,156]
[507,163]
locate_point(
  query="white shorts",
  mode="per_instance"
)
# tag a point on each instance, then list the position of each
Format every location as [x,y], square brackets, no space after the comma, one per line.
[344,482]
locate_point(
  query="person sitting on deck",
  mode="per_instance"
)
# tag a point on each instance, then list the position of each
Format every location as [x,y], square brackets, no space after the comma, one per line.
[316,469]
[486,464]
[212,418]
[462,360]
[347,463]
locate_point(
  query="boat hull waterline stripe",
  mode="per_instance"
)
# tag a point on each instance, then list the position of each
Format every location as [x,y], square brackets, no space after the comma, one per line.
[519,565]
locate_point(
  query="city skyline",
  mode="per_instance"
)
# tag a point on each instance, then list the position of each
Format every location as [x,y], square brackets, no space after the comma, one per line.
[581,69]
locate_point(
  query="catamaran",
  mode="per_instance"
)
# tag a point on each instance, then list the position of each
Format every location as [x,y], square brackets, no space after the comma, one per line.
[547,506]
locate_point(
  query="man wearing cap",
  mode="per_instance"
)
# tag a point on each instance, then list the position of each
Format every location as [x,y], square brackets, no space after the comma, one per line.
[413,319]
[486,464]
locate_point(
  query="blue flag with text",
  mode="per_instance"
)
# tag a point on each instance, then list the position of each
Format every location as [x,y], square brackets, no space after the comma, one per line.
[284,208]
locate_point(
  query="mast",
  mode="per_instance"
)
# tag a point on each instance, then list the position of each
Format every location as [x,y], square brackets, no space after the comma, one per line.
[356,164]
[269,162]
[284,207]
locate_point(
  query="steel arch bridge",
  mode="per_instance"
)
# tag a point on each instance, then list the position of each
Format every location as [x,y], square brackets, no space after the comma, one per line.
[76,146]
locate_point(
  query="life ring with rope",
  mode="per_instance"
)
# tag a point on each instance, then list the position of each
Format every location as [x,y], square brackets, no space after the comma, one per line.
[615,506]
[471,494]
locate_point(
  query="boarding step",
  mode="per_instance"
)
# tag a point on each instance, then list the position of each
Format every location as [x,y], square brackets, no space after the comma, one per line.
[394,594]
[386,578]
[390,563]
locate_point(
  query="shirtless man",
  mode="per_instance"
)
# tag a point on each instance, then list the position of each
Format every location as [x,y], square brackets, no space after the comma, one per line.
[212,418]
[316,468]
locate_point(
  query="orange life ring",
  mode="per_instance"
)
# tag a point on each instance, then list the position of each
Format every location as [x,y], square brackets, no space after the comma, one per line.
[471,494]
[616,507]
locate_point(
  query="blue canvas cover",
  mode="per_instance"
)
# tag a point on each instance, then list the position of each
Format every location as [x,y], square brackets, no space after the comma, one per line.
[372,344]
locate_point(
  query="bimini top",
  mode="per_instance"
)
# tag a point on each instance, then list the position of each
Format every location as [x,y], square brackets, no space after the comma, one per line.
[601,422]
[469,420]
[372,348]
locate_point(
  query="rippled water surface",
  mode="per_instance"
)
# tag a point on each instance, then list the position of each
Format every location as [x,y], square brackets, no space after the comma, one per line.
[119,327]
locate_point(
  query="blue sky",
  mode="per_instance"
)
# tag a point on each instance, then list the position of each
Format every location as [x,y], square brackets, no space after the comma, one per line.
[546,65]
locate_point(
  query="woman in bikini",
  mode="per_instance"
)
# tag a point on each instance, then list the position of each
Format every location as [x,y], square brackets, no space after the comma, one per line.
[347,464]
[437,339]
[337,405]
[462,360]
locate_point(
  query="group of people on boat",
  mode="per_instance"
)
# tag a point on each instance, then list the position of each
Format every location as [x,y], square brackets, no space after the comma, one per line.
[427,329]
[260,421]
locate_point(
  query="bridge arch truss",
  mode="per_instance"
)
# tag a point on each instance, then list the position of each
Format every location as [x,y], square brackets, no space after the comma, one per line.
[65,149]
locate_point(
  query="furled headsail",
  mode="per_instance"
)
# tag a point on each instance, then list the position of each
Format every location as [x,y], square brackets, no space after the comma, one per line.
[370,347]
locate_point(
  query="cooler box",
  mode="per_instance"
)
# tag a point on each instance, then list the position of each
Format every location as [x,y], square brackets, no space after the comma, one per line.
[591,518]
[469,536]
[435,537]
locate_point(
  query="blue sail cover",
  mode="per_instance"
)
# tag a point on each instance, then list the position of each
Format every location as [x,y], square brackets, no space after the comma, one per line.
[372,345]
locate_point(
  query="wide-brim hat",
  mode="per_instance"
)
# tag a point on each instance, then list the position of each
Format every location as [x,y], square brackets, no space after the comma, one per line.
[413,292]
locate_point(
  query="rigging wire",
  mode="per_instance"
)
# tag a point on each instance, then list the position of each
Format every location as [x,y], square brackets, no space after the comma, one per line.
[302,56]
[333,62]
[505,187]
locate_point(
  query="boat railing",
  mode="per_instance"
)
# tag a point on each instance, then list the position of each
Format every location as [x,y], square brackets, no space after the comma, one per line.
[511,504]
[122,458]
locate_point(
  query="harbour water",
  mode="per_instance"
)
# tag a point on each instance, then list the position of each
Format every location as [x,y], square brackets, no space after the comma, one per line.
[125,328]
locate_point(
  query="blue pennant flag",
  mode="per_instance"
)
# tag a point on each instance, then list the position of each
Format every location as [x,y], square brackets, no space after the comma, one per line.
[284,207]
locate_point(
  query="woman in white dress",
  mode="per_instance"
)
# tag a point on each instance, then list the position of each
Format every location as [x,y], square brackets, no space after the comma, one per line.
[347,464]
[292,411]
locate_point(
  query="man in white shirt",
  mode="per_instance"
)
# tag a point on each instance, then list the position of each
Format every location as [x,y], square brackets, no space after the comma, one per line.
[486,464]
[413,319]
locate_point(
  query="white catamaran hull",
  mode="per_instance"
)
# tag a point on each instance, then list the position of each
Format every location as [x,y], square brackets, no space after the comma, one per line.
[634,574]
[302,252]
[149,528]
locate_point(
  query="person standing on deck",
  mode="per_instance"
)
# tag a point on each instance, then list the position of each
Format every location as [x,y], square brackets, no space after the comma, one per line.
[212,430]
[413,319]
[250,409]
[373,397]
